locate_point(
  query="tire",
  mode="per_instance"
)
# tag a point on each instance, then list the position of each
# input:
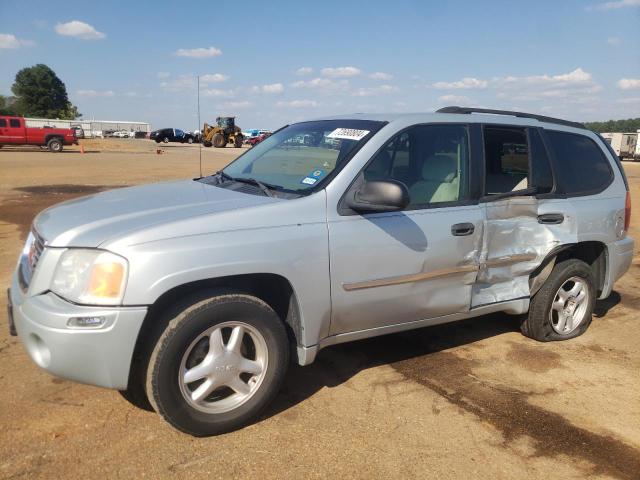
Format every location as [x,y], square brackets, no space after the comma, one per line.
[544,321]
[207,144]
[157,140]
[187,341]
[219,140]
[165,140]
[237,142]
[189,140]
[54,145]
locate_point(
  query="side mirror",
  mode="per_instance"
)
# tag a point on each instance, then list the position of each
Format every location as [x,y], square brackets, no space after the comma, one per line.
[379,196]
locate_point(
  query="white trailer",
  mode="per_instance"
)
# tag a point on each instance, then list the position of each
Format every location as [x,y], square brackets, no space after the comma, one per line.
[624,144]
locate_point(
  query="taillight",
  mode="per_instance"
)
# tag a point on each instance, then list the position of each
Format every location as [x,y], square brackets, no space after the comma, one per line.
[627,212]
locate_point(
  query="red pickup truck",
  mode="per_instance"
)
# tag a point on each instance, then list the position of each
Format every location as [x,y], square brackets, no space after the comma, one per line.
[14,131]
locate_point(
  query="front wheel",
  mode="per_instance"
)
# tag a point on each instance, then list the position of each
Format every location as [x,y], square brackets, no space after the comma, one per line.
[218,364]
[563,307]
[189,140]
[165,140]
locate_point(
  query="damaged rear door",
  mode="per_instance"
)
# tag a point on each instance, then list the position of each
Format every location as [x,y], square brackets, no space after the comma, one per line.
[524,219]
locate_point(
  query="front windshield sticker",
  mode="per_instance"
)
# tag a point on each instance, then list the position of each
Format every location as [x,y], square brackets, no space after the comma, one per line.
[348,134]
[313,176]
[309,180]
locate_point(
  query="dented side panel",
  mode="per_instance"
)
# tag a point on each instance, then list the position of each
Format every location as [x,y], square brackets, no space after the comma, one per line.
[514,244]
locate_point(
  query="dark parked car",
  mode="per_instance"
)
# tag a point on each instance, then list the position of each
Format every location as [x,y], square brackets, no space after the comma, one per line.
[167,135]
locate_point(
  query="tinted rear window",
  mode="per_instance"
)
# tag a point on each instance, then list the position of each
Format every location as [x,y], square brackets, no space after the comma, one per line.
[582,166]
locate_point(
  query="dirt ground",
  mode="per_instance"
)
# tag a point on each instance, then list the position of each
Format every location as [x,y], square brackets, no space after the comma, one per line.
[472,399]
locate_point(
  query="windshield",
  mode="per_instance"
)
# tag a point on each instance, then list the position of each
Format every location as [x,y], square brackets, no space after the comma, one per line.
[299,157]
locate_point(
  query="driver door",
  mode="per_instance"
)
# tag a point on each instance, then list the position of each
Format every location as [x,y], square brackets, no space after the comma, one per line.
[398,267]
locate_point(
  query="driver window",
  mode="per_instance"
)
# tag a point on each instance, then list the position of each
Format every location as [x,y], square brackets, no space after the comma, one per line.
[431,160]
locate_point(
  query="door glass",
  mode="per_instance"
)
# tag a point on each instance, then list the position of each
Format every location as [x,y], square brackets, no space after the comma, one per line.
[506,159]
[3,122]
[431,160]
[14,123]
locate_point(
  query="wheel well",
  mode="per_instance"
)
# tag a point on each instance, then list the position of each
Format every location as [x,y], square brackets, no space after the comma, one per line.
[594,254]
[50,137]
[273,289]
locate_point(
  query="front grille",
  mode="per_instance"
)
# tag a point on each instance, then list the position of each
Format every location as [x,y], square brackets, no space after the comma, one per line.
[30,257]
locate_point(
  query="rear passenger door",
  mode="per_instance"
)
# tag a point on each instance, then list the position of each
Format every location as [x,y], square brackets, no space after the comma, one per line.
[524,217]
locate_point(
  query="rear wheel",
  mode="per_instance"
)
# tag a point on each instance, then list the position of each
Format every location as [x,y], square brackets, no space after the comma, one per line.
[237,141]
[563,307]
[54,145]
[189,140]
[218,364]
[219,140]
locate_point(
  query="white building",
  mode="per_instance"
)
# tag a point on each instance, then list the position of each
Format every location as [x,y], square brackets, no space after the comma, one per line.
[91,128]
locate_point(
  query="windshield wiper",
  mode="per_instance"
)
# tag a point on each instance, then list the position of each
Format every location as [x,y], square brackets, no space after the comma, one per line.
[265,187]
[225,176]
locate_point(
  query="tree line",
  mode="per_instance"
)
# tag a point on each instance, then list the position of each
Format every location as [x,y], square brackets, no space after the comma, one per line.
[628,125]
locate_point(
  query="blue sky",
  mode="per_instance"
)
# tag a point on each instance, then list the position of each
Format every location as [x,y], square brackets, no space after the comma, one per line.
[271,63]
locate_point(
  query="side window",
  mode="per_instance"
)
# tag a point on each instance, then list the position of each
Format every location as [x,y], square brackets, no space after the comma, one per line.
[3,122]
[431,160]
[583,167]
[14,123]
[506,153]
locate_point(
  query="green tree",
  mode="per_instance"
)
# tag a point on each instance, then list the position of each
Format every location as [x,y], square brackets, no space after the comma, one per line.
[40,93]
[6,107]
[628,125]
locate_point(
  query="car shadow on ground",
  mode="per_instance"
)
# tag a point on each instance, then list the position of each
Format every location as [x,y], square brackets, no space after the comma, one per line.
[337,364]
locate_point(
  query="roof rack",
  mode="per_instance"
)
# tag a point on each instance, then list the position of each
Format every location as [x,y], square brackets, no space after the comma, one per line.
[540,118]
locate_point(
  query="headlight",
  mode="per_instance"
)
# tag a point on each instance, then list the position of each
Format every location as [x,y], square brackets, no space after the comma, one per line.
[90,277]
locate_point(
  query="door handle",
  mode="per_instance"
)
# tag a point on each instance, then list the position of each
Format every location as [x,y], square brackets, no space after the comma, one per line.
[462,229]
[551,218]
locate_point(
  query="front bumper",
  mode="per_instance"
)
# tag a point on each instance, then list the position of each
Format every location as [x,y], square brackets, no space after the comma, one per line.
[96,356]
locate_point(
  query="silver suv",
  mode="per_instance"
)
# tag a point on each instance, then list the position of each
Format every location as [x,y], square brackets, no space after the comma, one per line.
[193,295]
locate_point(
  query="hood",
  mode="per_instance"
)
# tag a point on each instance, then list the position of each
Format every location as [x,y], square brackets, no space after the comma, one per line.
[92,220]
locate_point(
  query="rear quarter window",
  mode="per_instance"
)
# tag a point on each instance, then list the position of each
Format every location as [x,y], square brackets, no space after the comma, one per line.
[582,166]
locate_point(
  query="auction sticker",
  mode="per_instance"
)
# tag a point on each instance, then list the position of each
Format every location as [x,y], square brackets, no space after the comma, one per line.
[348,134]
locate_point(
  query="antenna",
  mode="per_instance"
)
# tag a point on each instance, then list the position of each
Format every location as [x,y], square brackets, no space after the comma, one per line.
[199,128]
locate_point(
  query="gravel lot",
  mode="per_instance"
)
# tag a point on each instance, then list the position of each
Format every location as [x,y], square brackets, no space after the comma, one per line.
[472,399]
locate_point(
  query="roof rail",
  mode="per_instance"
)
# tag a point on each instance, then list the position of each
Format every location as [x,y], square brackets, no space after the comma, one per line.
[540,118]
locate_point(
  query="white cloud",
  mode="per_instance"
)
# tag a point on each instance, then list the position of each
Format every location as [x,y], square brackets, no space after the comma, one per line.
[304,71]
[237,105]
[163,74]
[372,91]
[298,104]
[78,29]
[381,76]
[340,72]
[95,93]
[454,99]
[324,85]
[270,88]
[216,92]
[615,5]
[198,52]
[613,40]
[629,83]
[213,78]
[464,84]
[180,83]
[571,87]
[9,41]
